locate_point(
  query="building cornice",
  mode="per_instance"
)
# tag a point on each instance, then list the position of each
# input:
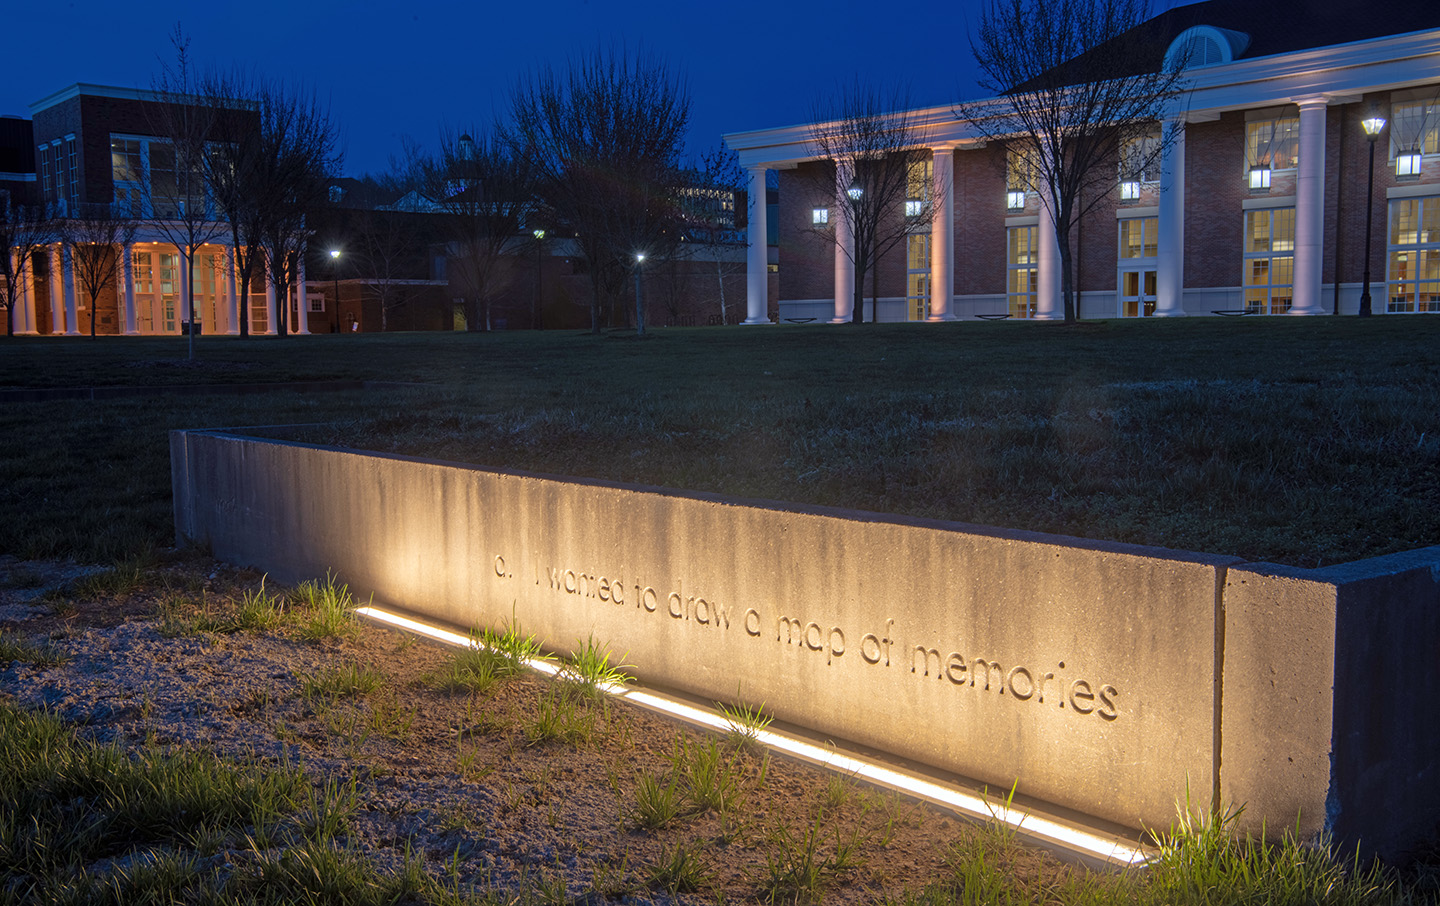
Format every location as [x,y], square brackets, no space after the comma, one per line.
[1340,73]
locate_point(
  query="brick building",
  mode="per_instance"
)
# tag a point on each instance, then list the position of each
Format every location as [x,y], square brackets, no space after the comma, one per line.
[1258,207]
[93,148]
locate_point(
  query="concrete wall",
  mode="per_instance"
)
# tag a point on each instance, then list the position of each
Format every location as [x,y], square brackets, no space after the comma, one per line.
[1087,672]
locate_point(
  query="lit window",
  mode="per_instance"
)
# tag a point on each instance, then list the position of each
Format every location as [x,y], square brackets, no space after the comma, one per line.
[1408,163]
[1015,201]
[1260,178]
[1129,190]
[913,207]
[1273,143]
[1414,253]
[1269,268]
[1023,270]
[820,216]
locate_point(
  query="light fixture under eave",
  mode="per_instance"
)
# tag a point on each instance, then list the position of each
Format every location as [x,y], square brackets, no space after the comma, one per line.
[1048,830]
[1408,163]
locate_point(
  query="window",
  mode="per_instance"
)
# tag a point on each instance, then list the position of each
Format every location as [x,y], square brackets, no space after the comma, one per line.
[49,177]
[150,182]
[1138,254]
[1140,159]
[1020,174]
[820,216]
[1023,271]
[917,277]
[919,184]
[72,174]
[1414,131]
[1269,260]
[317,303]
[1414,267]
[1271,144]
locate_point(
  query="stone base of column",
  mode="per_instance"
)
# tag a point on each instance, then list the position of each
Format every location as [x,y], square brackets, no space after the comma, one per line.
[751,322]
[1168,314]
[947,316]
[1303,312]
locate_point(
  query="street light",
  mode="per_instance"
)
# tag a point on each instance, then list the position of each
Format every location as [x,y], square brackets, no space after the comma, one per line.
[639,310]
[535,317]
[855,191]
[1373,126]
[335,273]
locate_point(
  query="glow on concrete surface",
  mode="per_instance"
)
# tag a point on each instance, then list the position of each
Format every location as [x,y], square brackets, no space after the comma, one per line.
[1054,833]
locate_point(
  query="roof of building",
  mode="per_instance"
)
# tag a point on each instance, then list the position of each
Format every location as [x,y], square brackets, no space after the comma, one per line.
[1275,28]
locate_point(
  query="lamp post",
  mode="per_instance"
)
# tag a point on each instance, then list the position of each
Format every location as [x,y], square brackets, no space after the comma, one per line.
[639,309]
[1373,126]
[335,273]
[535,318]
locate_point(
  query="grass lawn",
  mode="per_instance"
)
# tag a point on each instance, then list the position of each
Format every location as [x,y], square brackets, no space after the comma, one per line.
[1303,441]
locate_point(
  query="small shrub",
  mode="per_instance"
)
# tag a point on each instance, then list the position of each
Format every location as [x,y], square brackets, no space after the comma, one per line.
[590,669]
[349,679]
[326,608]
[561,716]
[471,670]
[746,722]
[658,801]
[259,611]
[680,870]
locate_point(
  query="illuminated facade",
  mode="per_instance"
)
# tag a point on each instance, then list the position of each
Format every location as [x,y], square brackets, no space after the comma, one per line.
[1258,207]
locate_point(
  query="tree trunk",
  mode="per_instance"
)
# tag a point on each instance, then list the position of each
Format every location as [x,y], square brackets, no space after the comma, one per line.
[857,316]
[875,291]
[720,278]
[1067,288]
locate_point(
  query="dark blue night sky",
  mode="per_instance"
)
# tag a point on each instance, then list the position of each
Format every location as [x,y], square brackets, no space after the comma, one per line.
[395,70]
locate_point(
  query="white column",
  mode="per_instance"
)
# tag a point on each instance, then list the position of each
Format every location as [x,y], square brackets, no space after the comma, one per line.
[1170,251]
[57,292]
[271,325]
[757,255]
[844,246]
[127,288]
[232,282]
[23,321]
[302,312]
[942,238]
[72,317]
[1310,208]
[1049,306]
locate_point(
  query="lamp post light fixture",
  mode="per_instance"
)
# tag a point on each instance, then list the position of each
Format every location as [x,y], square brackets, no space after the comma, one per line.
[335,273]
[855,191]
[535,315]
[1373,126]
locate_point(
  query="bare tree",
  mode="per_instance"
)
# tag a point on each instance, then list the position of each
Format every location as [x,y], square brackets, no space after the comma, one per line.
[175,199]
[606,138]
[266,169]
[389,255]
[97,238]
[708,196]
[1077,85]
[482,190]
[878,145]
[24,231]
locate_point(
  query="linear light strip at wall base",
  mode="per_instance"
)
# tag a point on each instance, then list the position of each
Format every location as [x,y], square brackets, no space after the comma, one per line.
[1048,831]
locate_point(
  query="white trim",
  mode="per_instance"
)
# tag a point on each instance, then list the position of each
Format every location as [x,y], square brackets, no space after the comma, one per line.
[1023,220]
[1137,211]
[1414,190]
[1267,201]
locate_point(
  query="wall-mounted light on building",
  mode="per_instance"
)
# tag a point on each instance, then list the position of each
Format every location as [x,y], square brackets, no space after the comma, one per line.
[1129,190]
[1407,163]
[1015,201]
[820,216]
[913,207]
[1260,178]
